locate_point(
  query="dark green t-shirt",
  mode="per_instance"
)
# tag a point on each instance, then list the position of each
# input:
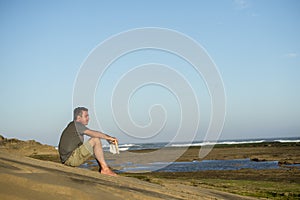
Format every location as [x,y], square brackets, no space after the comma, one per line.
[71,138]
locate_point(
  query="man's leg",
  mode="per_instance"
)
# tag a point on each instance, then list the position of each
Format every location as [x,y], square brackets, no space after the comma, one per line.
[98,152]
[80,155]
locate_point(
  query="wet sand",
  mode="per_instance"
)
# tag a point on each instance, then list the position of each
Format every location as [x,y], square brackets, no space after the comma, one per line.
[284,153]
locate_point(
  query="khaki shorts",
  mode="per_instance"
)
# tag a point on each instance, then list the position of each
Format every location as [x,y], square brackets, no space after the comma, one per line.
[80,155]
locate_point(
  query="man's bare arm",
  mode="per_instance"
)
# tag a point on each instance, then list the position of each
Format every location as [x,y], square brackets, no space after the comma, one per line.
[97,134]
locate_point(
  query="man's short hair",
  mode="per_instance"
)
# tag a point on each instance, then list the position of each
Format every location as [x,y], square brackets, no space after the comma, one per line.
[78,112]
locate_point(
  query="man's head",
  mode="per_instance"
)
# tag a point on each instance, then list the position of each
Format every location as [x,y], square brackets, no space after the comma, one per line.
[81,115]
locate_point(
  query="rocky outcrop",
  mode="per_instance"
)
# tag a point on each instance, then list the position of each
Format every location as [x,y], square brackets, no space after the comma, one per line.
[27,148]
[281,161]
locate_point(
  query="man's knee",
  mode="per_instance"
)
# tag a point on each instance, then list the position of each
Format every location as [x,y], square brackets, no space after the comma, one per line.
[95,141]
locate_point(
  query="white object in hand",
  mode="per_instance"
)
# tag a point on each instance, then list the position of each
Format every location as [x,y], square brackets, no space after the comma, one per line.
[114,149]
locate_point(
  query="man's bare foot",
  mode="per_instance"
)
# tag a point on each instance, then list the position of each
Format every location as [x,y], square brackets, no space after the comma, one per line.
[108,171]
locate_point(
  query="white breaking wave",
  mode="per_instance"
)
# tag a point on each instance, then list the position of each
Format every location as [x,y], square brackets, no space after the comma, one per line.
[123,148]
[214,143]
[283,141]
[242,142]
[194,144]
[128,145]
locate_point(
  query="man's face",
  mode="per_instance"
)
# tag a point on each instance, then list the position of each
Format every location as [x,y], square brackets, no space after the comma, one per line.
[84,118]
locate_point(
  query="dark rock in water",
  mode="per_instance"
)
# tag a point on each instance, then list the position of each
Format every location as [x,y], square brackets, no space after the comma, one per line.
[287,162]
[259,159]
[255,159]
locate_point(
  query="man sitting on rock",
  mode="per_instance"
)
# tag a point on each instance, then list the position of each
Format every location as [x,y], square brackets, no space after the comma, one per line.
[74,151]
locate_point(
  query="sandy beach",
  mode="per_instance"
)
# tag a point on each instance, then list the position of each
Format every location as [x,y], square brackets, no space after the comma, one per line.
[23,177]
[27,178]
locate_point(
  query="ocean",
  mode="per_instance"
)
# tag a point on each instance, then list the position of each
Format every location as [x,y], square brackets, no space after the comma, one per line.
[159,145]
[194,165]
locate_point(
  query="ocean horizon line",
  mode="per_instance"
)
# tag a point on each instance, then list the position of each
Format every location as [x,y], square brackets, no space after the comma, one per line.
[158,145]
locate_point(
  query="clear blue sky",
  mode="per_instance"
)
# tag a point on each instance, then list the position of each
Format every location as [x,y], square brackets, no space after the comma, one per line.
[255,44]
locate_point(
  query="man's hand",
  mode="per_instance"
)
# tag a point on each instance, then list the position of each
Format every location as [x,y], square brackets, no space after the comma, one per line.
[112,140]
